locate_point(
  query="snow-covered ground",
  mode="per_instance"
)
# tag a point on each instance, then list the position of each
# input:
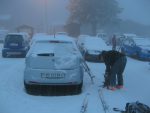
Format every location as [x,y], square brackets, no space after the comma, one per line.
[13,98]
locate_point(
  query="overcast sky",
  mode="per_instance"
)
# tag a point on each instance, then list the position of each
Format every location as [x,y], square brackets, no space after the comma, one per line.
[32,12]
[137,10]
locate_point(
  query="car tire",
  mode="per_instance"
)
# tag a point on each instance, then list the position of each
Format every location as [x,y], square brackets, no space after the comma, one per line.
[79,88]
[28,88]
[31,89]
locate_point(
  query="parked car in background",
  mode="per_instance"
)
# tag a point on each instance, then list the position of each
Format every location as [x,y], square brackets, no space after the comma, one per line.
[137,47]
[129,47]
[3,33]
[104,36]
[53,64]
[144,44]
[15,44]
[62,33]
[91,48]
[38,36]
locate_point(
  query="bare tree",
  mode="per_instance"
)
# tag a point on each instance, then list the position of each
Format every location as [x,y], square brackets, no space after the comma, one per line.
[94,12]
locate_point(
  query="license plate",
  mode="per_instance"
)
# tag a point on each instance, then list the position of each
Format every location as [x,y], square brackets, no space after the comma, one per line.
[13,53]
[53,75]
[13,44]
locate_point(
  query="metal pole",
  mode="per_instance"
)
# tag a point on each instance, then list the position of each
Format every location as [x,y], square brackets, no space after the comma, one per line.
[46,15]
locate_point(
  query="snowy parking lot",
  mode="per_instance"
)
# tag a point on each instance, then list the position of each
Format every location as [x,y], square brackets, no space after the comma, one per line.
[13,98]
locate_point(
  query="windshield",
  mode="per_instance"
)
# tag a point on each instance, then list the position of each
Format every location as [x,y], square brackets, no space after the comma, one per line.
[59,47]
[13,38]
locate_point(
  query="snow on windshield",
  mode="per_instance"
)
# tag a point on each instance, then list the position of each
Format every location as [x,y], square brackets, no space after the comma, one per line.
[55,47]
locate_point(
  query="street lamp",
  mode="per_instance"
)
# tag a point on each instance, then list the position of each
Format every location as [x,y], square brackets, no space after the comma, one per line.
[45,15]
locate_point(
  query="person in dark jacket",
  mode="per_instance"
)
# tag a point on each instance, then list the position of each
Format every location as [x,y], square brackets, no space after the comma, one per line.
[115,64]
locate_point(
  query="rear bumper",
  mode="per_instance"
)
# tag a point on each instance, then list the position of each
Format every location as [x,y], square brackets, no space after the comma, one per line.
[35,77]
[14,51]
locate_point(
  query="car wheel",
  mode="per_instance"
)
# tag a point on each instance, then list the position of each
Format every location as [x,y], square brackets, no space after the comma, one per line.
[28,88]
[31,89]
[79,88]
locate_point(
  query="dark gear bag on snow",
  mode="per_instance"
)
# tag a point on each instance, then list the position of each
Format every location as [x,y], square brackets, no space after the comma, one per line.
[136,107]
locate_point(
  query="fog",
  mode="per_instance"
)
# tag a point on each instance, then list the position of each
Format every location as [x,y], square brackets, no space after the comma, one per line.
[36,13]
[137,10]
[47,13]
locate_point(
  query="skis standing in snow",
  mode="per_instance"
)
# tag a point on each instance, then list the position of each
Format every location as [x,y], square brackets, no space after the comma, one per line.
[102,99]
[87,69]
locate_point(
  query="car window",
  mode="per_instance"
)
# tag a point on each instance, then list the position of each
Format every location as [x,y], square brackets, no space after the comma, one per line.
[14,38]
[59,47]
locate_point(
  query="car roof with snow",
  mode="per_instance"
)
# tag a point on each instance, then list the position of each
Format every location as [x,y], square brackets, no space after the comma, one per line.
[94,43]
[18,33]
[61,33]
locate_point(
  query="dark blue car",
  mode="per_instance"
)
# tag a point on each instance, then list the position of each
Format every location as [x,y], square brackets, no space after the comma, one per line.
[15,44]
[136,48]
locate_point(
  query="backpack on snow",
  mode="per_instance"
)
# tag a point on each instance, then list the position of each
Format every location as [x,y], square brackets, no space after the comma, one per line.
[136,107]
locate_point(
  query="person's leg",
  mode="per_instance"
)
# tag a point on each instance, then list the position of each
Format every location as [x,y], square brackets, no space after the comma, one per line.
[114,71]
[107,80]
[112,79]
[122,64]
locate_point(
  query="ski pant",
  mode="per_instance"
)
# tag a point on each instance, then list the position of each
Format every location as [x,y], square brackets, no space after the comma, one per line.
[116,76]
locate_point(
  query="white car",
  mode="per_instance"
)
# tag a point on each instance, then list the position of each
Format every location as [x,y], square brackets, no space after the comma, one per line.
[62,33]
[91,48]
[51,64]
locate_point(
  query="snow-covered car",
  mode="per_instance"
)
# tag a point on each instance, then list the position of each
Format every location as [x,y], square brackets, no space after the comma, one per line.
[3,33]
[62,33]
[129,47]
[137,48]
[91,48]
[144,44]
[16,44]
[53,64]
[102,35]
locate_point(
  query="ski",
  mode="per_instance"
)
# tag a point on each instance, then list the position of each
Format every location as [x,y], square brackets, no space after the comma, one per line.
[87,69]
[84,104]
[103,102]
